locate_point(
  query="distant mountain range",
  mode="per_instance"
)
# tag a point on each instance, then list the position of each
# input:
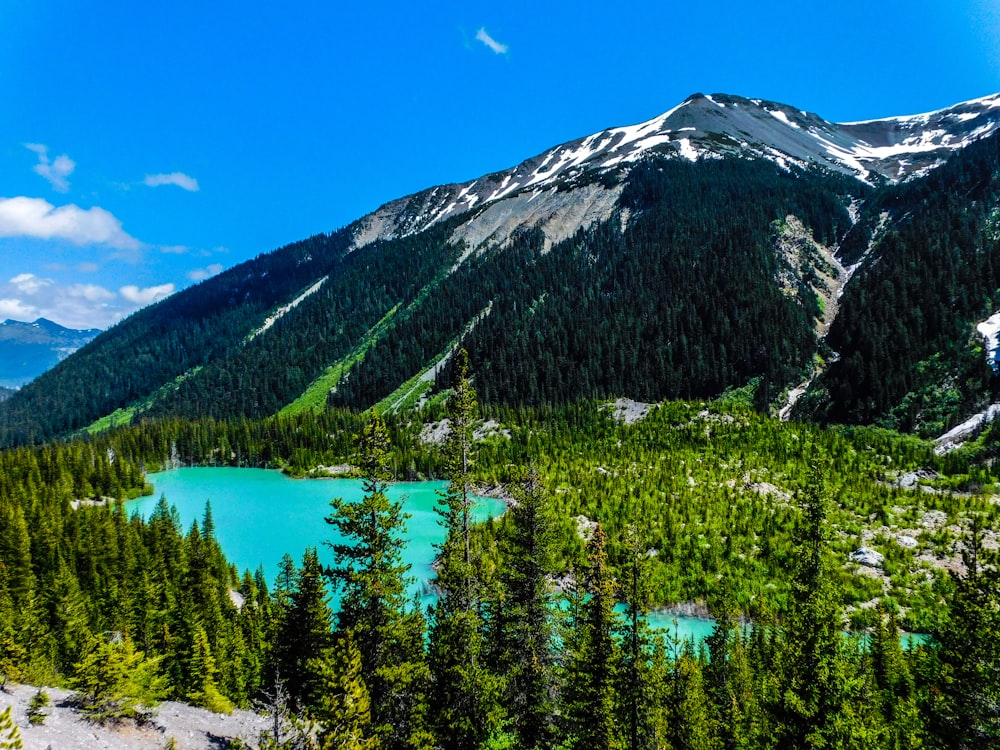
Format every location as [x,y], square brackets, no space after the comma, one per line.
[29,349]
[839,270]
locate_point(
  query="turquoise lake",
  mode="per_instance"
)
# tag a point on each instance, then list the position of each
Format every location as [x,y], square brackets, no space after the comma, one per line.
[261,514]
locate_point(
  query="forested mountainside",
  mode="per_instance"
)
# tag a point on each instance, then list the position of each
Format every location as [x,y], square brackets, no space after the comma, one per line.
[727,241]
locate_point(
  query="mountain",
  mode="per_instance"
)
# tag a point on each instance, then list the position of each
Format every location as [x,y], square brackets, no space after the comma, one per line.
[725,242]
[29,349]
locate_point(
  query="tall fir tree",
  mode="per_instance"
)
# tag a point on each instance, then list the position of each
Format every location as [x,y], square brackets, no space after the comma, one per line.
[304,631]
[810,705]
[521,633]
[964,702]
[340,703]
[464,695]
[594,661]
[370,572]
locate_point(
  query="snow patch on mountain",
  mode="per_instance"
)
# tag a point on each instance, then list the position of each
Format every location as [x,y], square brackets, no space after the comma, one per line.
[716,126]
[989,329]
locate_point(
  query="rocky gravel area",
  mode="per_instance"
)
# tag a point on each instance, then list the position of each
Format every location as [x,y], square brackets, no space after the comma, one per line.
[191,728]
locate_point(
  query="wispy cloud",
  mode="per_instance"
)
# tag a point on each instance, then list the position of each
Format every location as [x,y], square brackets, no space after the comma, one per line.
[146,296]
[200,274]
[36,217]
[181,180]
[56,170]
[493,44]
[174,249]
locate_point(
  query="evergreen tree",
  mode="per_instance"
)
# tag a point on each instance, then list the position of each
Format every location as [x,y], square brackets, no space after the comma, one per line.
[369,570]
[809,709]
[894,689]
[637,686]
[964,710]
[595,659]
[304,631]
[202,677]
[113,681]
[521,619]
[688,708]
[463,698]
[341,704]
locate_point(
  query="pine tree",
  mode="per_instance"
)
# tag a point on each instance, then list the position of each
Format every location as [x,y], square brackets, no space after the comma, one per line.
[595,659]
[637,683]
[810,708]
[202,677]
[463,697]
[113,681]
[369,570]
[304,631]
[893,686]
[341,704]
[521,619]
[964,710]
[689,714]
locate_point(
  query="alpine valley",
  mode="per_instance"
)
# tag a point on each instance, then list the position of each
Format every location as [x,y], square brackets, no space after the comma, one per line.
[728,241]
[698,359]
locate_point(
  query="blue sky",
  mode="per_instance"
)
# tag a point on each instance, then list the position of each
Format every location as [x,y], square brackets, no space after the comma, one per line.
[144,146]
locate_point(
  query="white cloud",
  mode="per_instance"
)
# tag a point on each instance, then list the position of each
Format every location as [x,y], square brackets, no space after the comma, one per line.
[28,297]
[146,296]
[179,179]
[18,310]
[200,274]
[28,283]
[91,292]
[493,44]
[174,249]
[36,217]
[55,171]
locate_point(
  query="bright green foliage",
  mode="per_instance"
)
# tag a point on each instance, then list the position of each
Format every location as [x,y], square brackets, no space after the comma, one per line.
[36,707]
[689,719]
[341,704]
[595,658]
[10,735]
[203,673]
[371,576]
[113,681]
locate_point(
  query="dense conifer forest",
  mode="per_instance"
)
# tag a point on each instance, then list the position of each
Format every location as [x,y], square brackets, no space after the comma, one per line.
[538,639]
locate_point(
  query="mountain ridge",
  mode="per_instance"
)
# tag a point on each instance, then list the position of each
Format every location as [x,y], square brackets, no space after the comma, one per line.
[29,349]
[775,131]
[649,261]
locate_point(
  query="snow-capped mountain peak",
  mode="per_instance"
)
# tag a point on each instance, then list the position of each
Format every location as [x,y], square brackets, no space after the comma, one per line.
[708,127]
